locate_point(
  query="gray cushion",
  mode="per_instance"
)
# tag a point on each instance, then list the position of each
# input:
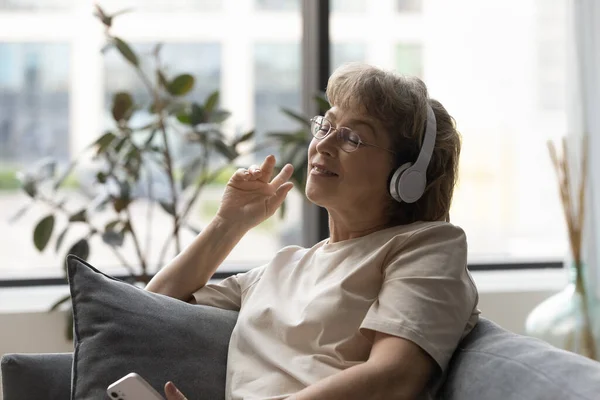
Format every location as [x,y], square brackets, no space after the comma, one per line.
[492,363]
[120,328]
[36,376]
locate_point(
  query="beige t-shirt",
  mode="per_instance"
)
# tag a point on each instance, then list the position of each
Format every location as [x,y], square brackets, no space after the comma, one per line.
[308,313]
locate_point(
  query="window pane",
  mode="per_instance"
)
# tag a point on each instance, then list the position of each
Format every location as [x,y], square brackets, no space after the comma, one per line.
[37,5]
[409,59]
[205,66]
[348,6]
[409,5]
[255,78]
[162,5]
[505,110]
[277,86]
[34,124]
[342,53]
[278,5]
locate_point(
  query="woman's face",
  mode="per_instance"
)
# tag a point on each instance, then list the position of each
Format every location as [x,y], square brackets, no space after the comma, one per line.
[355,183]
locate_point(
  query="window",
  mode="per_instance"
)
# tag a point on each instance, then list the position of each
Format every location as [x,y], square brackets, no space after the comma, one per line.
[506,91]
[342,53]
[278,5]
[505,88]
[55,100]
[37,5]
[34,102]
[409,5]
[409,59]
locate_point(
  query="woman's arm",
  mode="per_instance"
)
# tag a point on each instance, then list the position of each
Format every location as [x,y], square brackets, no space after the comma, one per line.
[396,369]
[197,263]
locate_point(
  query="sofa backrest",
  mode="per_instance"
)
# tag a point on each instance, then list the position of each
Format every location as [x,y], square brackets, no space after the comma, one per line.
[493,363]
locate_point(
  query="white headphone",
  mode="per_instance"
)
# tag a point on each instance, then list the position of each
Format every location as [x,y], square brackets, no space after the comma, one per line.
[409,180]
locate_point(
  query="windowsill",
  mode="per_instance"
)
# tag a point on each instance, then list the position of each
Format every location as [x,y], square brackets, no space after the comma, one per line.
[523,280]
[39,299]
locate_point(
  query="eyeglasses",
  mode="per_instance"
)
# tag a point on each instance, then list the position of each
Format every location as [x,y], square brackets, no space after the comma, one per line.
[348,140]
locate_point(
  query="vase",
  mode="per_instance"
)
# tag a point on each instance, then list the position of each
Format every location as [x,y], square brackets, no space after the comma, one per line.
[567,319]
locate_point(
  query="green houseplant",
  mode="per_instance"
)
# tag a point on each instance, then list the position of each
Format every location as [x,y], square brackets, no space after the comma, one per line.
[294,144]
[125,160]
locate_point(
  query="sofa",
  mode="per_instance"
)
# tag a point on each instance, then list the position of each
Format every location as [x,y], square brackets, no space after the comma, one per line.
[119,328]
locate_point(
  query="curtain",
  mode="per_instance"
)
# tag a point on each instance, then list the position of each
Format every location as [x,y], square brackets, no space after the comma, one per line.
[584,117]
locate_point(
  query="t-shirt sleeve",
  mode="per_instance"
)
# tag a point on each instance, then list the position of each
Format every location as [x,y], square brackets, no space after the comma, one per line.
[227,294]
[427,295]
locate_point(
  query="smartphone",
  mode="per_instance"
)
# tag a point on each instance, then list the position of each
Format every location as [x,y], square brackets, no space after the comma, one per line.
[132,387]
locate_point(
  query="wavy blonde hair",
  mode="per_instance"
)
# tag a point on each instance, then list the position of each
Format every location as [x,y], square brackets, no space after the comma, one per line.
[399,103]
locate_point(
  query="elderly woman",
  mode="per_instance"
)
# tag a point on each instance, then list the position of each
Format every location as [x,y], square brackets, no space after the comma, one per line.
[376,310]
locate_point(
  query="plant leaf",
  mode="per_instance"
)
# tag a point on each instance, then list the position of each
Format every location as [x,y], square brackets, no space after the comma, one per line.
[102,16]
[119,204]
[218,116]
[298,117]
[112,225]
[81,249]
[60,239]
[193,229]
[184,118]
[20,212]
[168,207]
[80,216]
[126,51]
[181,85]
[224,149]
[65,175]
[245,137]
[191,172]
[104,141]
[58,303]
[69,328]
[30,187]
[122,108]
[197,114]
[43,232]
[113,237]
[211,101]
[322,102]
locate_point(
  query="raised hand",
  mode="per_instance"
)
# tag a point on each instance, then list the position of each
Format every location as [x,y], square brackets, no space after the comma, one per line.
[251,196]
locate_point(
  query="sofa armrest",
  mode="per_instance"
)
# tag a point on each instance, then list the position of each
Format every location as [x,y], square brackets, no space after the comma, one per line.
[36,376]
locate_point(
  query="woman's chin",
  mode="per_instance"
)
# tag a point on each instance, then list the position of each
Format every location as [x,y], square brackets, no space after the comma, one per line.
[316,196]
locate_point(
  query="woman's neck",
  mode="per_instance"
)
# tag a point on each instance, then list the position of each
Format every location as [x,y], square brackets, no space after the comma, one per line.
[340,230]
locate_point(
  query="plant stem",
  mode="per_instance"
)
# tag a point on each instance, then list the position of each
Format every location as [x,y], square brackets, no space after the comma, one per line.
[149,213]
[167,154]
[136,244]
[187,209]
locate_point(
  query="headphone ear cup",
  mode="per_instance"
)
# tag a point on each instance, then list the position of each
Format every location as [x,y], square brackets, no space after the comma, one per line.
[395,182]
[412,185]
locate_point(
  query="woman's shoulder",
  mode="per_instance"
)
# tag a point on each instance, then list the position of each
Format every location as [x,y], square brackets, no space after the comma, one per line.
[436,231]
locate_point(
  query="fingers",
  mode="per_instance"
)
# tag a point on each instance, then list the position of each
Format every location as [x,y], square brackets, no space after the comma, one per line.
[173,393]
[280,195]
[243,174]
[283,176]
[267,168]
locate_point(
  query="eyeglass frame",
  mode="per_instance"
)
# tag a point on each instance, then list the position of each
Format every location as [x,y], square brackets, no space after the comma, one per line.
[338,129]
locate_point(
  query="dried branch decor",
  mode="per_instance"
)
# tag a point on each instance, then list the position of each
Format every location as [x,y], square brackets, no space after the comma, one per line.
[574,217]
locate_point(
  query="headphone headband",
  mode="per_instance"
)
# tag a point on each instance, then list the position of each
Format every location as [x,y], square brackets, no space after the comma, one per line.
[409,181]
[428,141]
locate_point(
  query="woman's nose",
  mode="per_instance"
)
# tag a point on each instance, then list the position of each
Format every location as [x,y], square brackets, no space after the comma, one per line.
[328,145]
